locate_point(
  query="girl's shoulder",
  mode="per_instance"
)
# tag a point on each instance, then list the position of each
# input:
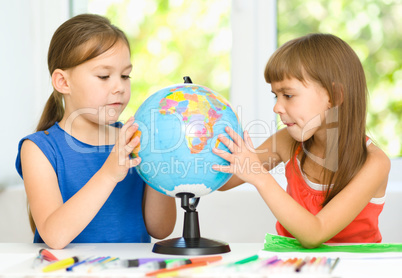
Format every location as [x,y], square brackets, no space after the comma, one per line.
[377,156]
[375,170]
[43,138]
[40,143]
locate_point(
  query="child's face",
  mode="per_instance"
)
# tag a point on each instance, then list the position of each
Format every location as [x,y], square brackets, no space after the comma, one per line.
[301,107]
[100,88]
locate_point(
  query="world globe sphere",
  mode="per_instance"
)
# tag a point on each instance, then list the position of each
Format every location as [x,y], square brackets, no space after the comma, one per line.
[178,127]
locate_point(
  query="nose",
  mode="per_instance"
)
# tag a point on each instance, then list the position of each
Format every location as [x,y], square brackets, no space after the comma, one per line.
[278,108]
[119,87]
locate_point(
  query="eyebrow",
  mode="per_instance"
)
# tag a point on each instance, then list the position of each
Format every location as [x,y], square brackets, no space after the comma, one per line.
[110,67]
[282,89]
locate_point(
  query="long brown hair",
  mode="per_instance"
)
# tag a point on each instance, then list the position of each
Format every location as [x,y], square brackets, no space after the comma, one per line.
[79,39]
[332,63]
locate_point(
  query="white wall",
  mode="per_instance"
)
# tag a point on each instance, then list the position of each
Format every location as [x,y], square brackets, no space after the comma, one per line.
[26,27]
[14,223]
[254,40]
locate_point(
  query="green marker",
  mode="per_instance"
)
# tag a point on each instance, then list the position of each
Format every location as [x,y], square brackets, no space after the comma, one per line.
[246,260]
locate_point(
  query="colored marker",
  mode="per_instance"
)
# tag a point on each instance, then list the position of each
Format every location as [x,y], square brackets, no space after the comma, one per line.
[47,255]
[85,262]
[322,265]
[160,264]
[289,265]
[269,261]
[310,264]
[169,272]
[334,265]
[276,263]
[246,260]
[109,263]
[100,260]
[99,263]
[289,261]
[209,259]
[148,263]
[299,266]
[37,261]
[143,261]
[60,264]
[70,268]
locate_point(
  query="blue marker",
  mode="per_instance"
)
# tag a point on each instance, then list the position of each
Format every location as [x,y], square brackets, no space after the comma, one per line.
[70,268]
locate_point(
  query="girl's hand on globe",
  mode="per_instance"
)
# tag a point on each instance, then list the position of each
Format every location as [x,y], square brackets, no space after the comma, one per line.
[119,162]
[243,158]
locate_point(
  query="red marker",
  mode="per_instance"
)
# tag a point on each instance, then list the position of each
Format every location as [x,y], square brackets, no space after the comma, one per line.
[209,259]
[170,271]
[47,255]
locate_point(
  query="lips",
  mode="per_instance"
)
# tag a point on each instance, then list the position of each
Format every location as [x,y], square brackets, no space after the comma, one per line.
[288,124]
[115,104]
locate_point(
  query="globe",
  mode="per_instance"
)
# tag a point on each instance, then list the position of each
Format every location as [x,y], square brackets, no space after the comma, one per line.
[178,128]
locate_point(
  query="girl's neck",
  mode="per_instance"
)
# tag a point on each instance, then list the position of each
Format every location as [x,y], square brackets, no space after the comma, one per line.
[89,132]
[318,144]
[319,158]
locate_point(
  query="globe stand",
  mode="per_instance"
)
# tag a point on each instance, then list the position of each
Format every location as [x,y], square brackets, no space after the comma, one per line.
[191,243]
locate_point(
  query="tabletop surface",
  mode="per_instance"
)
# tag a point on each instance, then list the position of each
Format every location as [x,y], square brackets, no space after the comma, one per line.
[16,260]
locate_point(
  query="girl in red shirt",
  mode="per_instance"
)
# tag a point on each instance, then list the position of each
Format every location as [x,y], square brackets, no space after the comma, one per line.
[336,178]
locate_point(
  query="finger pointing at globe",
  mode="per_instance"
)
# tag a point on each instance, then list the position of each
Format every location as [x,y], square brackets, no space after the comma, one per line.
[242,157]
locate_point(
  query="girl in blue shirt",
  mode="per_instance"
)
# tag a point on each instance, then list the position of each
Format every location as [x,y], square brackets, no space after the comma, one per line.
[79,178]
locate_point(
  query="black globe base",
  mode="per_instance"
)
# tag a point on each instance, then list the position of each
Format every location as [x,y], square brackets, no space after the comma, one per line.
[191,243]
[191,246]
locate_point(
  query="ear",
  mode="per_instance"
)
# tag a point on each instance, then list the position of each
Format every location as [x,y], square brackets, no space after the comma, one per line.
[329,104]
[59,81]
[338,94]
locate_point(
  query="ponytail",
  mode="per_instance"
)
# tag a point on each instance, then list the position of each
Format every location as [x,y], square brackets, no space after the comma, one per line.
[53,112]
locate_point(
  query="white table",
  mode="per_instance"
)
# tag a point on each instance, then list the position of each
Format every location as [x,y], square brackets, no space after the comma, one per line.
[16,260]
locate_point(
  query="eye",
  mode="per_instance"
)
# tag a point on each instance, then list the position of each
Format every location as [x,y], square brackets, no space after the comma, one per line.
[103,77]
[288,96]
[125,77]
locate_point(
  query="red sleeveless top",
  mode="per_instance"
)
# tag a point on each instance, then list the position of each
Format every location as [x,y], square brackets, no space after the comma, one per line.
[363,229]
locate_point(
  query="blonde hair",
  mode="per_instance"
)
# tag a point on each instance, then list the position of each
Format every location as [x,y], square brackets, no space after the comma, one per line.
[332,63]
[79,39]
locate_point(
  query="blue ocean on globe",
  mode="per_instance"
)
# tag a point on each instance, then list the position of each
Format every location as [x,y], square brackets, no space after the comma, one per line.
[179,126]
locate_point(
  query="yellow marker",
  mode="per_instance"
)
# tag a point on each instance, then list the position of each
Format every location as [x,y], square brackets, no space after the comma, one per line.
[60,264]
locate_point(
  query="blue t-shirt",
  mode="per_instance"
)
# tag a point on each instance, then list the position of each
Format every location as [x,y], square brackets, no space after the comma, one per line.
[120,219]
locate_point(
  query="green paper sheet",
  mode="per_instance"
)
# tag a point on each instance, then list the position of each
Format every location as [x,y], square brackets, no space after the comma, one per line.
[275,243]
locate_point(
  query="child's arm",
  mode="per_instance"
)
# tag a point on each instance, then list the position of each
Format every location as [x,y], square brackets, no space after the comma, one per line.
[311,230]
[59,223]
[268,154]
[159,213]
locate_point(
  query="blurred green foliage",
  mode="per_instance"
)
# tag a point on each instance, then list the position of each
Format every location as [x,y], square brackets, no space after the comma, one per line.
[373,30]
[172,39]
